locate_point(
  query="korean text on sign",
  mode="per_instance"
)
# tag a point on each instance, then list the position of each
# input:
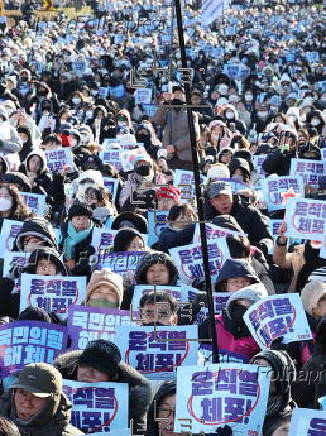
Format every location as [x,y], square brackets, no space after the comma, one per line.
[52,293]
[312,171]
[308,422]
[276,316]
[274,189]
[90,323]
[99,407]
[158,352]
[226,394]
[25,342]
[306,219]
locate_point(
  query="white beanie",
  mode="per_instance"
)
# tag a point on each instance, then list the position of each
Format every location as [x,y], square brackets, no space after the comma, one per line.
[311,294]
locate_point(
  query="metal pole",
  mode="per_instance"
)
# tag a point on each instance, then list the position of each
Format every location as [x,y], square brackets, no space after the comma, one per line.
[199,197]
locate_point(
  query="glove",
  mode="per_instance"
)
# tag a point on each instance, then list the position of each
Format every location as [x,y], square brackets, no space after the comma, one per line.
[224,431]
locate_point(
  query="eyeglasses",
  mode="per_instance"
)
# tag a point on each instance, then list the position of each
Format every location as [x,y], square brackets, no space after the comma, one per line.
[160,314]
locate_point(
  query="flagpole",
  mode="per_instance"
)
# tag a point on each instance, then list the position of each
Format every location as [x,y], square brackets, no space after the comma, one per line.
[199,195]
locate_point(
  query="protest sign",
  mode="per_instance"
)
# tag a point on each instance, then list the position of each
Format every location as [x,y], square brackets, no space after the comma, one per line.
[274,187]
[306,219]
[225,394]
[90,323]
[111,157]
[35,202]
[236,71]
[14,259]
[143,95]
[214,232]
[184,180]
[273,227]
[103,238]
[308,422]
[98,407]
[128,157]
[311,171]
[211,10]
[276,316]
[157,352]
[220,299]
[111,185]
[189,260]
[52,293]
[157,222]
[59,159]
[9,231]
[25,342]
[258,160]
[120,262]
[236,185]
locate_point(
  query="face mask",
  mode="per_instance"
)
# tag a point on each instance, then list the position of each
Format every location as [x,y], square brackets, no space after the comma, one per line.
[262,114]
[98,83]
[75,100]
[229,115]
[5,204]
[122,124]
[89,114]
[102,302]
[249,97]
[142,171]
[315,122]
[100,212]
[74,142]
[93,92]
[234,98]
[236,312]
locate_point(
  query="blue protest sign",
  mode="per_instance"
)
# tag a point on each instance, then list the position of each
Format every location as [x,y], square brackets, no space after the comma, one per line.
[157,353]
[276,316]
[157,222]
[91,323]
[52,293]
[35,202]
[59,159]
[312,171]
[9,231]
[226,394]
[98,407]
[274,187]
[307,422]
[25,342]
[120,262]
[306,219]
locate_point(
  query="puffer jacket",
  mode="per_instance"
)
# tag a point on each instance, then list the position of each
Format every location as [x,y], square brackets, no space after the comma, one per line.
[53,420]
[139,386]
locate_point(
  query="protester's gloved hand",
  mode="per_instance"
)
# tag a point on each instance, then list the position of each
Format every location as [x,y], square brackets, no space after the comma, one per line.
[278,345]
[223,431]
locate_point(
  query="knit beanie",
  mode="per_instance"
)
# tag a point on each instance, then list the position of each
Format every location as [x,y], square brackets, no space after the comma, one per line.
[102,355]
[105,277]
[311,294]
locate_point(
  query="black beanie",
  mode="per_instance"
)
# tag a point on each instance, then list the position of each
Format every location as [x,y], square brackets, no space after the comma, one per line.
[32,313]
[102,355]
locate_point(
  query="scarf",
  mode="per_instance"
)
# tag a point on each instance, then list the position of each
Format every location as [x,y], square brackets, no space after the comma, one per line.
[74,238]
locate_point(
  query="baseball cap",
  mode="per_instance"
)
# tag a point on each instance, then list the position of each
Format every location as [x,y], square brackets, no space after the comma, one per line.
[41,379]
[218,188]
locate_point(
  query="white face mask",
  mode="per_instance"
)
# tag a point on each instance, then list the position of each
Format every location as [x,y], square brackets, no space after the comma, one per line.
[98,83]
[5,204]
[234,98]
[75,100]
[89,114]
[122,124]
[73,142]
[229,115]
[248,97]
[315,122]
[262,114]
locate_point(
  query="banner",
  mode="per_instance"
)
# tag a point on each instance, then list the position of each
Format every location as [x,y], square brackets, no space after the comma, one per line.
[276,316]
[226,394]
[52,293]
[184,180]
[157,222]
[35,202]
[120,262]
[306,218]
[98,407]
[59,159]
[157,353]
[14,259]
[25,342]
[189,260]
[214,232]
[312,171]
[9,231]
[90,323]
[274,187]
[308,422]
[111,157]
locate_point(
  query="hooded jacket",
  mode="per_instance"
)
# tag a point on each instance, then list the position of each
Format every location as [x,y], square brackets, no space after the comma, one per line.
[53,420]
[280,404]
[235,268]
[9,135]
[37,227]
[150,259]
[139,386]
[43,181]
